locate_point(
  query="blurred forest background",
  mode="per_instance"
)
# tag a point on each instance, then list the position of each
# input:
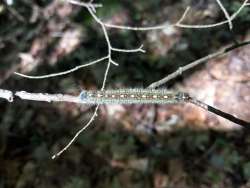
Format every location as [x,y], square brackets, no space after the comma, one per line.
[127,146]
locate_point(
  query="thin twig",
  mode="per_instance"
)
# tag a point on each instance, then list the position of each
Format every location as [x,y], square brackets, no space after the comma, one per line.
[195,63]
[140,49]
[87,5]
[226,14]
[77,134]
[110,61]
[95,114]
[61,73]
[244,4]
[183,16]
[16,14]
[178,23]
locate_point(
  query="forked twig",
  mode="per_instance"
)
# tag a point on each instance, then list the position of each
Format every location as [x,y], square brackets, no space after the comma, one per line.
[91,9]
[206,26]
[226,14]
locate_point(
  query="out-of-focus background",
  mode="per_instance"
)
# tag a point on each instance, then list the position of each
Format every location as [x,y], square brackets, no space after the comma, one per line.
[127,146]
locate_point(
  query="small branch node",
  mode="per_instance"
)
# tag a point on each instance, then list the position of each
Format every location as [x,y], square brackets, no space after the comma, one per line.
[114,63]
[6,94]
[183,16]
[226,14]
[140,49]
[180,70]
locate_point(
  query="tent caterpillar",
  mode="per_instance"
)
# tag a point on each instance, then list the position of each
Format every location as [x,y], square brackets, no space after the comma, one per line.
[133,96]
[151,96]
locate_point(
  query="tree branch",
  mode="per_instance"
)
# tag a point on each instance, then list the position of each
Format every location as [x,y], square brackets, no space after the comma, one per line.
[196,63]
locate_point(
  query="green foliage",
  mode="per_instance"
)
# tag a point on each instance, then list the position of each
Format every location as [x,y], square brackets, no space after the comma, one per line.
[197,141]
[111,7]
[122,147]
[214,176]
[218,161]
[246,170]
[78,182]
[116,184]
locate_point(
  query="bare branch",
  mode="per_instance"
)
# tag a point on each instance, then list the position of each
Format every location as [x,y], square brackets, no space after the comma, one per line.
[197,62]
[244,4]
[159,27]
[110,61]
[178,23]
[62,73]
[77,134]
[87,5]
[48,97]
[185,68]
[91,119]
